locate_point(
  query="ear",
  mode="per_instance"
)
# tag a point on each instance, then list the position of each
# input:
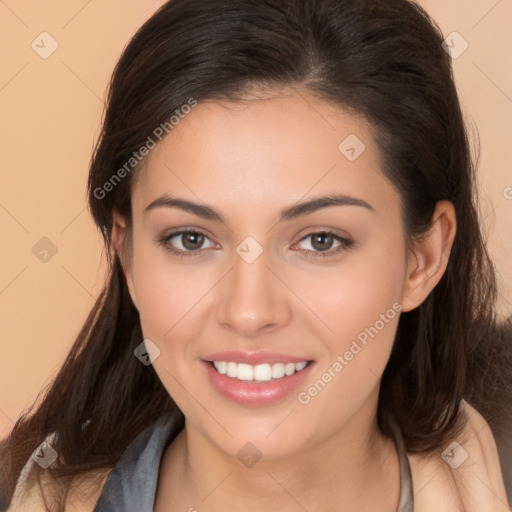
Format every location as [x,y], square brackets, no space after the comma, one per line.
[121,242]
[428,260]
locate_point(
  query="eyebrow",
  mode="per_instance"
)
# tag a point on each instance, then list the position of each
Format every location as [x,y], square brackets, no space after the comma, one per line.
[290,213]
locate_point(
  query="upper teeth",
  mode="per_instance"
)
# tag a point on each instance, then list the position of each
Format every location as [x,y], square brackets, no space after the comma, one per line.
[262,372]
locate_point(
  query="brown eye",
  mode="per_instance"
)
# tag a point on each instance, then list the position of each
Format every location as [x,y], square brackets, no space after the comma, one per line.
[192,241]
[187,242]
[321,244]
[322,241]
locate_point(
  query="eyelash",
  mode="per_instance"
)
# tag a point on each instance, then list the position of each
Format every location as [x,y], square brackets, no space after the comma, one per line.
[345,244]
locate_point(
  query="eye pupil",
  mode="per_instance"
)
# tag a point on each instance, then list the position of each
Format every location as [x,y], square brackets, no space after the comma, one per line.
[323,244]
[197,239]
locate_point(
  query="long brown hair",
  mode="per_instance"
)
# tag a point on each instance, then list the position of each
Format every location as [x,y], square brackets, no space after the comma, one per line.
[382,59]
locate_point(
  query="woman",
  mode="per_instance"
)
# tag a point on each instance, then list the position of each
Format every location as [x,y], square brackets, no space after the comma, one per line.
[299,296]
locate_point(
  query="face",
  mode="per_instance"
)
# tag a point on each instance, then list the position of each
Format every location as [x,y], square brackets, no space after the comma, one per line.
[322,284]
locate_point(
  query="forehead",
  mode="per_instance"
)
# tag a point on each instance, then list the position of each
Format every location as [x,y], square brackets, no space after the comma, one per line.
[262,150]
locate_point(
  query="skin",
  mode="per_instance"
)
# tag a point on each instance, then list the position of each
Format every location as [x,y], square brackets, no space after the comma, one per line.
[249,160]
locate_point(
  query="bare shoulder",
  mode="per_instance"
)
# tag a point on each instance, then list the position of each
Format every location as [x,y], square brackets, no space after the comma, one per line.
[465,475]
[82,496]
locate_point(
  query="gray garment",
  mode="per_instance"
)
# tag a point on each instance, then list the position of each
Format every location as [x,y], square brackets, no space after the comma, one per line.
[131,485]
[406,501]
[504,447]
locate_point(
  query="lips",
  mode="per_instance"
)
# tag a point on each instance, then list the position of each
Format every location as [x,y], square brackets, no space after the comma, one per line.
[253,392]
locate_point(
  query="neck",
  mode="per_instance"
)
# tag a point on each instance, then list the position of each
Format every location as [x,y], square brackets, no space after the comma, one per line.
[355,468]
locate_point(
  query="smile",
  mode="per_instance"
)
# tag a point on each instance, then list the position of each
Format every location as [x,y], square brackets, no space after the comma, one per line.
[258,373]
[260,384]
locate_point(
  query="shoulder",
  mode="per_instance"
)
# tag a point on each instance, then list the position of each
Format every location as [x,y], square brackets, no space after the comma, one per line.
[463,475]
[138,459]
[82,496]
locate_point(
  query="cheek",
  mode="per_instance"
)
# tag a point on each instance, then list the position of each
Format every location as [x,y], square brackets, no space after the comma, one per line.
[353,295]
[363,310]
[168,293]
[359,302]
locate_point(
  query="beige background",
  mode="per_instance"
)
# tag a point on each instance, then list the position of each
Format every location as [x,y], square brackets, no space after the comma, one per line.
[51,111]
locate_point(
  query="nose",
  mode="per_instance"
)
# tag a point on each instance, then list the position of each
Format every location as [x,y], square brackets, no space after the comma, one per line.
[252,300]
